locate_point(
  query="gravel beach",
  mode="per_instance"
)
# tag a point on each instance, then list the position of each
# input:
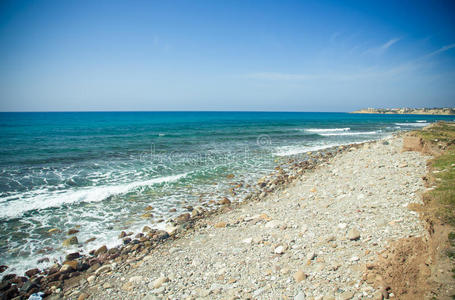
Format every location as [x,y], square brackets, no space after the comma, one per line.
[308,240]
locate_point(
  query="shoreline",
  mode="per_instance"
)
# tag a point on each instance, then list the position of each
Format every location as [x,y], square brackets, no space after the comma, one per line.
[182,225]
[238,193]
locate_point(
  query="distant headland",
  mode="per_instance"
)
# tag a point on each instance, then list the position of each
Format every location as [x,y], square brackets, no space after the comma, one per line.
[409,111]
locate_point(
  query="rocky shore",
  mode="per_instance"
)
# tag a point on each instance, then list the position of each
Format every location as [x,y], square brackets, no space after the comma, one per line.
[308,231]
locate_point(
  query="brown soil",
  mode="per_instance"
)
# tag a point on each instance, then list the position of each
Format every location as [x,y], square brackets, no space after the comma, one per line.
[417,267]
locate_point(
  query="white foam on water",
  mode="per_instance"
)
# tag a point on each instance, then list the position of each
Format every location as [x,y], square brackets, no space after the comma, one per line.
[317,130]
[13,206]
[421,121]
[293,150]
[349,133]
[421,124]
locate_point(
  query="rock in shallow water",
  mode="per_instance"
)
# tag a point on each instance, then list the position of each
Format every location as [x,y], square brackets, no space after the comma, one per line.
[71,241]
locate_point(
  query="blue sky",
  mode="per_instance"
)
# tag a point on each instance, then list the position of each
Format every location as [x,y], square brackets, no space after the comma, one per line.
[226,55]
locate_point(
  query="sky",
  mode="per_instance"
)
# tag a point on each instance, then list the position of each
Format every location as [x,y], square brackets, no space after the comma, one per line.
[226,55]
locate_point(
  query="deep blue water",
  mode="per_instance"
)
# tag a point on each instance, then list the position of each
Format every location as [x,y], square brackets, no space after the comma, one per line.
[97,171]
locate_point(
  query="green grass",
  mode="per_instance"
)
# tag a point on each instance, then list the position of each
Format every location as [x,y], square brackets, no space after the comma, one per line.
[441,132]
[442,169]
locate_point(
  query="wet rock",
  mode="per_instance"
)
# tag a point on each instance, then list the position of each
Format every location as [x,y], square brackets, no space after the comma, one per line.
[126,241]
[72,256]
[53,277]
[70,241]
[172,229]
[353,234]
[122,235]
[101,250]
[28,286]
[146,229]
[32,272]
[72,231]
[53,269]
[10,293]
[72,263]
[224,201]
[183,218]
[230,176]
[148,208]
[9,277]
[54,230]
[3,268]
[4,285]
[66,269]
[90,240]
[93,267]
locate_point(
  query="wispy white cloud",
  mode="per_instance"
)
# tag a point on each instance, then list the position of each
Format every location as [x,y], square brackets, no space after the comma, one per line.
[384,47]
[440,50]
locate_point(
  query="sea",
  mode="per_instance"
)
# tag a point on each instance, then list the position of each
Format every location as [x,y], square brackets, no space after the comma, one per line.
[97,172]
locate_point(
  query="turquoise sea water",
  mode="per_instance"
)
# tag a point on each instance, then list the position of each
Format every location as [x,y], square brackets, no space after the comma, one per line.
[97,171]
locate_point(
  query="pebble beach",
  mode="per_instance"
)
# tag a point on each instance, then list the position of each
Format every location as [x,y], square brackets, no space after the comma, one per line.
[309,239]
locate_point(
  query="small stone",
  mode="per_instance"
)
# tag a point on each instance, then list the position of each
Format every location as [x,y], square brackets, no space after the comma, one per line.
[72,231]
[83,296]
[274,224]
[311,256]
[353,234]
[220,225]
[136,280]
[107,285]
[146,229]
[103,269]
[300,296]
[66,269]
[299,276]
[183,218]
[91,279]
[101,250]
[342,225]
[230,176]
[347,296]
[72,256]
[224,201]
[247,241]
[149,208]
[71,263]
[54,230]
[355,258]
[279,250]
[32,272]
[159,282]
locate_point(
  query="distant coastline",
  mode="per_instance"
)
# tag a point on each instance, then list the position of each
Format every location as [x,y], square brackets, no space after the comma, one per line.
[408,111]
